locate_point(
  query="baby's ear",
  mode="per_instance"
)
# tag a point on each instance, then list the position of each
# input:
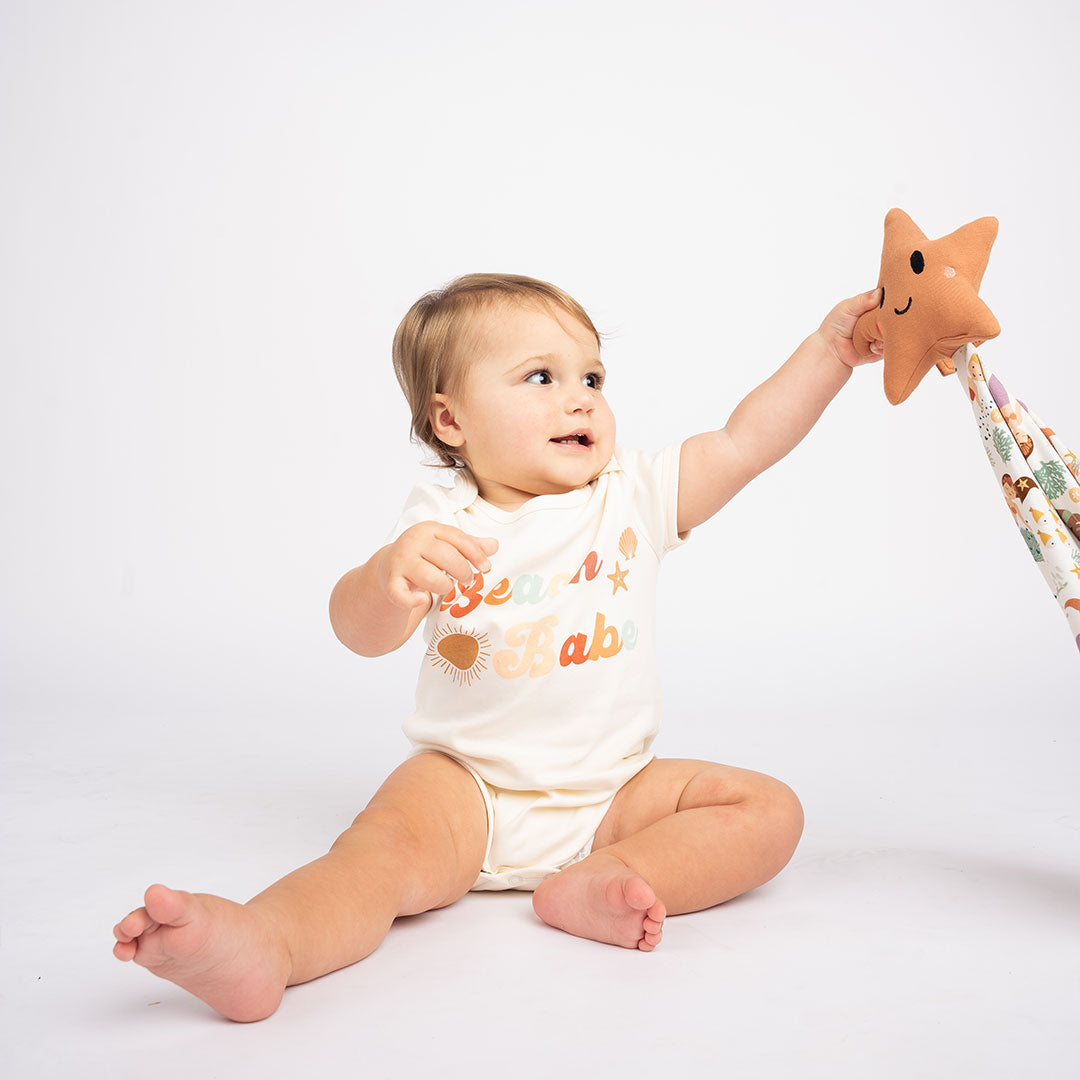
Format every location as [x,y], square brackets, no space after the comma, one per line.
[441,416]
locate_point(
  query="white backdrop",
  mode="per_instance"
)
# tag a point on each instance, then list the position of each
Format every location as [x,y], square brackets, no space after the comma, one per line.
[213,216]
[216,214]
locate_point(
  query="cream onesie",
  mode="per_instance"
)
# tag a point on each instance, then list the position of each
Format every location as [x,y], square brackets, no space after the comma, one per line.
[540,678]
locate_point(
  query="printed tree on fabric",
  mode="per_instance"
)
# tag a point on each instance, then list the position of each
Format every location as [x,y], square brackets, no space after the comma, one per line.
[1052,478]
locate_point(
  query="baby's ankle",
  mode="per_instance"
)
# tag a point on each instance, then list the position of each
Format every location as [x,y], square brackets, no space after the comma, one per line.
[273,930]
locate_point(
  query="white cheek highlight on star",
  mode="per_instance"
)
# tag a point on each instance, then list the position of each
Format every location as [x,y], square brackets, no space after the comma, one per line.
[948,272]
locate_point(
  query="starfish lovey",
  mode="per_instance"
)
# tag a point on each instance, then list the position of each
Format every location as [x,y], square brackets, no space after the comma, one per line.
[930,305]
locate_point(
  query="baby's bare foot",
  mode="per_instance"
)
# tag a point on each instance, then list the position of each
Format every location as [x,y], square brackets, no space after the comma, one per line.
[220,951]
[603,899]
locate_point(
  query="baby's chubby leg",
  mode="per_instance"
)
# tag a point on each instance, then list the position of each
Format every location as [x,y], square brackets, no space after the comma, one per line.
[680,836]
[419,845]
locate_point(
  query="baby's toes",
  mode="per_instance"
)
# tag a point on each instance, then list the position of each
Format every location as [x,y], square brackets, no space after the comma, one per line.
[134,925]
[638,894]
[652,927]
[650,941]
[125,950]
[127,932]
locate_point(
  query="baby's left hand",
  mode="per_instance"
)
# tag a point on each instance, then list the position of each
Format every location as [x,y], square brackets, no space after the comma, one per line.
[839,325]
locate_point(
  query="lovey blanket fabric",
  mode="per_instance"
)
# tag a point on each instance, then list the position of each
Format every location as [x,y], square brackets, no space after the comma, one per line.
[1038,475]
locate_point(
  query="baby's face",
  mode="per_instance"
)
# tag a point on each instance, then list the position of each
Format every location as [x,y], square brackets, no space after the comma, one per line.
[530,417]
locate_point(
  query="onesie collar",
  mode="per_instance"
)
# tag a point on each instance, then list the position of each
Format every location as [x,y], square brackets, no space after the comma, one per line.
[466,496]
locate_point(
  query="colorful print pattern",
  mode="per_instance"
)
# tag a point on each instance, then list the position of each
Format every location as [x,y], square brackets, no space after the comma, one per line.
[1039,478]
[462,653]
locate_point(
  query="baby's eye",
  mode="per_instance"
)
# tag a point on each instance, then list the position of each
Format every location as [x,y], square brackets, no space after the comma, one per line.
[594,380]
[540,378]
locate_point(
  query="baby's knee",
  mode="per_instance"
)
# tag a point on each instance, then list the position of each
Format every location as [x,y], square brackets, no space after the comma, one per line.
[783,811]
[387,824]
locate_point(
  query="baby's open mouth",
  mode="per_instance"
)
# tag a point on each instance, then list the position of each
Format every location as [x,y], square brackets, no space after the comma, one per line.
[578,438]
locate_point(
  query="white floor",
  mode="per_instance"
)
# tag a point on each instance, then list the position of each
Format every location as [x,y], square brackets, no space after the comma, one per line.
[928,926]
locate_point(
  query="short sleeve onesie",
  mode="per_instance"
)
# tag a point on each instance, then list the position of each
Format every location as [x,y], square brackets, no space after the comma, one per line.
[541,676]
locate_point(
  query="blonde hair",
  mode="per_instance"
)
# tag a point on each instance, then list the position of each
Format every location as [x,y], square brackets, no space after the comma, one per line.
[430,341]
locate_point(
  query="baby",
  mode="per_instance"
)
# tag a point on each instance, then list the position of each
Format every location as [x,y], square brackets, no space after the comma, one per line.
[537,704]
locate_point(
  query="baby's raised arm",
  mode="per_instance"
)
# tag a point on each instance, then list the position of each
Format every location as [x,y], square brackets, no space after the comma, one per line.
[375,608]
[772,420]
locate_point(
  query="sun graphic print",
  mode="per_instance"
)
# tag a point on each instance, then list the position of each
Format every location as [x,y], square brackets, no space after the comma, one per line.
[462,654]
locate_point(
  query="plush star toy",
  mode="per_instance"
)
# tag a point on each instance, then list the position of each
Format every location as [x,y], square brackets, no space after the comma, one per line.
[930,305]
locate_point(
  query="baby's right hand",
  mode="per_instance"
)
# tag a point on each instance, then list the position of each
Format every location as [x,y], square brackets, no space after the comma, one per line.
[432,558]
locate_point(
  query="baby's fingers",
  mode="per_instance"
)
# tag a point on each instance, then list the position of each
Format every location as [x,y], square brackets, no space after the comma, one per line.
[422,577]
[847,313]
[404,594]
[448,558]
[475,549]
[869,301]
